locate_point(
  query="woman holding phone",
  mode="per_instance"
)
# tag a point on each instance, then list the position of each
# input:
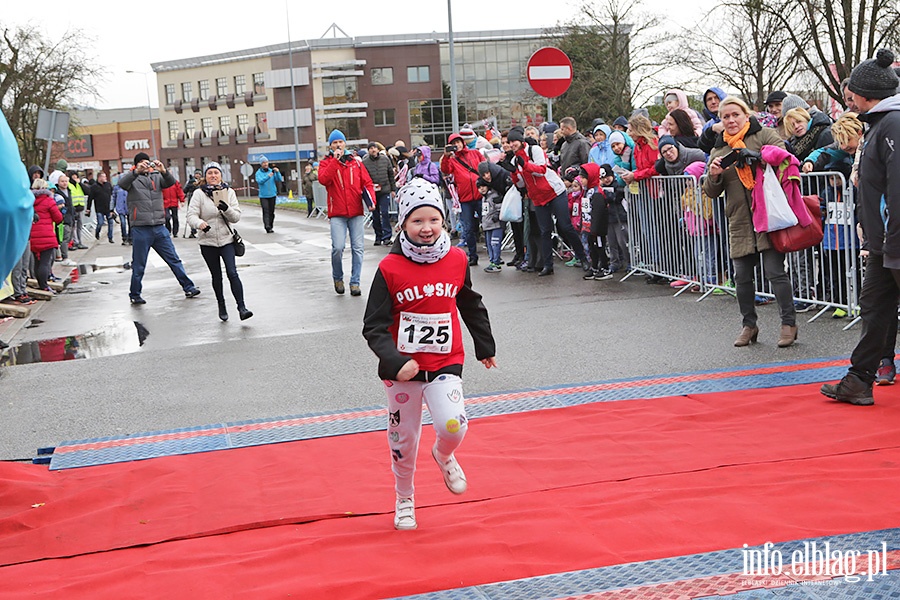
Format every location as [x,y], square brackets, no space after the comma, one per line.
[731,169]
[211,210]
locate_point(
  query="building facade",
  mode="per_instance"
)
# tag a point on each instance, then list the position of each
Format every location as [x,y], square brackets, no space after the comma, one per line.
[236,107]
[107,140]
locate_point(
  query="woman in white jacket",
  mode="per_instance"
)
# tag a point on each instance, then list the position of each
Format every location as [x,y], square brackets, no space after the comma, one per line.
[212,207]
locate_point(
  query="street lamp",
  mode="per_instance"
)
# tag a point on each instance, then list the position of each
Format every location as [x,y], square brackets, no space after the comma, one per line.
[149,109]
[454,117]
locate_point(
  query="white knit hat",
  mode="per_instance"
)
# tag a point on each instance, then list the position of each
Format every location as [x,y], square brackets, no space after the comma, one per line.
[212,165]
[417,193]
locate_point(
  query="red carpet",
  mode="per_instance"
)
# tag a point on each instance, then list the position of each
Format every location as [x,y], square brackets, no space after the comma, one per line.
[550,491]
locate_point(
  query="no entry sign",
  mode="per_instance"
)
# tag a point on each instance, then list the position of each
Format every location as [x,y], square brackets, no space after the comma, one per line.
[549,72]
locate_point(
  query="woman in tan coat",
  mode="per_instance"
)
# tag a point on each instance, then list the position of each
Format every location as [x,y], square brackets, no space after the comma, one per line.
[211,209]
[744,135]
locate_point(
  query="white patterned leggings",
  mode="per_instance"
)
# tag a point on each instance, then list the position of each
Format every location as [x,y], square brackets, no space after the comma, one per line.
[444,398]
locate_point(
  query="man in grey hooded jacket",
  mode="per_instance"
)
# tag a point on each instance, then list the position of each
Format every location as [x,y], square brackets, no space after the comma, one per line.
[144,185]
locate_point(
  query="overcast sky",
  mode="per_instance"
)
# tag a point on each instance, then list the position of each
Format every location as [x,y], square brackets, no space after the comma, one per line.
[127,35]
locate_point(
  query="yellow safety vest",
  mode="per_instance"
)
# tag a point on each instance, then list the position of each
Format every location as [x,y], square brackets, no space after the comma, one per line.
[78,196]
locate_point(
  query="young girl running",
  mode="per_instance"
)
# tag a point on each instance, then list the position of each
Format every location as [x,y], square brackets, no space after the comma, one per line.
[412,324]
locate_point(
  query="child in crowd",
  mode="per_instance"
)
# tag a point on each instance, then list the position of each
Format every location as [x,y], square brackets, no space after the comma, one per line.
[838,235]
[491,225]
[412,324]
[617,217]
[699,223]
[594,219]
[575,195]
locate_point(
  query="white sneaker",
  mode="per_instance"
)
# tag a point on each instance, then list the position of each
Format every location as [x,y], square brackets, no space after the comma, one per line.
[68,263]
[405,514]
[453,474]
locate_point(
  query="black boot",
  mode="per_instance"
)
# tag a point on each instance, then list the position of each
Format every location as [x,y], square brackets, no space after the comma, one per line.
[223,312]
[245,314]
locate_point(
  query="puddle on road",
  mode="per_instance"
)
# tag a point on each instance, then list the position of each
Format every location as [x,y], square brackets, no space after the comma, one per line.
[111,340]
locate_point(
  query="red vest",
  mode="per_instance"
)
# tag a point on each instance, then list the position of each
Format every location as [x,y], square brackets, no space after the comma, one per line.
[420,292]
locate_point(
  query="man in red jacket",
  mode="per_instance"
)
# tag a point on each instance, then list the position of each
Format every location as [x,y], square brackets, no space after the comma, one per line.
[173,198]
[528,166]
[349,186]
[462,163]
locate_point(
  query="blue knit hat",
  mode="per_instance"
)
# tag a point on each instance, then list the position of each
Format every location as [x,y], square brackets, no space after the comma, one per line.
[337,134]
[666,140]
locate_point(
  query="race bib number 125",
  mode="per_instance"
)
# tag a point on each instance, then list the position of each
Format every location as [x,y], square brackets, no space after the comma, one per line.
[425,333]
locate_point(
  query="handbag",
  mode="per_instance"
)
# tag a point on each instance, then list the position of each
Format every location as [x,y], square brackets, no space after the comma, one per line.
[236,239]
[511,207]
[779,213]
[796,238]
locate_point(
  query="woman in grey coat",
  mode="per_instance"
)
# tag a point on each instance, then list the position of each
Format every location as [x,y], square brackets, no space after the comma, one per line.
[212,207]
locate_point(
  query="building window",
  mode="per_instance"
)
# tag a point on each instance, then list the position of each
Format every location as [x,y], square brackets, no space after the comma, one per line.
[189,129]
[206,126]
[222,86]
[384,117]
[173,168]
[173,130]
[225,125]
[203,87]
[383,76]
[259,83]
[240,84]
[418,74]
[430,121]
[186,92]
[348,125]
[243,124]
[225,165]
[262,123]
[189,167]
[170,93]
[339,90]
[204,160]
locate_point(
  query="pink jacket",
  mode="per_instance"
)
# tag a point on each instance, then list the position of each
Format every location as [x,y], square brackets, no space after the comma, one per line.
[683,105]
[787,168]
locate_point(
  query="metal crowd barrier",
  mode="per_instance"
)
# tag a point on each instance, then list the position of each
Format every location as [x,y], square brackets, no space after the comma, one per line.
[678,233]
[320,200]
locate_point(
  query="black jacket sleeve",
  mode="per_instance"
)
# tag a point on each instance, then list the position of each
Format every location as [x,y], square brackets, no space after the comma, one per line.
[474,314]
[707,140]
[600,212]
[660,166]
[376,329]
[168,180]
[91,195]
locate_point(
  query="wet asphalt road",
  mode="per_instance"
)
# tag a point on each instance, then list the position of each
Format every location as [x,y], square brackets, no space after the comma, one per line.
[303,350]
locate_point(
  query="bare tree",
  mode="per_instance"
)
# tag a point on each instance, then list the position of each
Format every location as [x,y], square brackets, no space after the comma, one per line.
[744,47]
[619,57]
[39,73]
[833,36]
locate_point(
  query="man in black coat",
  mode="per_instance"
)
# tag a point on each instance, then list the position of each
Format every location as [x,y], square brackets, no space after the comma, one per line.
[99,197]
[873,84]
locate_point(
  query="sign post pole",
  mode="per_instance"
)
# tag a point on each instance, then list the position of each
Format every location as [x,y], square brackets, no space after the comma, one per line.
[50,142]
[246,171]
